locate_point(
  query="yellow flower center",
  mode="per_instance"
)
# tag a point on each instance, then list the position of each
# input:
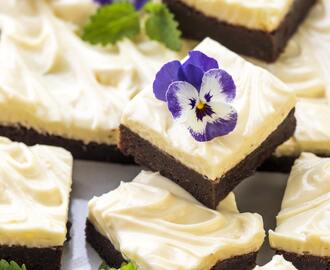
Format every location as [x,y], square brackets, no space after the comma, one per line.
[200,105]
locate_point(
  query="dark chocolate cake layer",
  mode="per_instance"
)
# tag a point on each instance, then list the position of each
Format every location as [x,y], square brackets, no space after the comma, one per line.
[262,45]
[111,256]
[209,192]
[103,246]
[306,262]
[36,258]
[278,164]
[282,164]
[79,150]
[33,258]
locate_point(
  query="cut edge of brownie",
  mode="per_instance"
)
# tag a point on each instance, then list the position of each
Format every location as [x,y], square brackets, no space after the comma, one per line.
[36,258]
[79,150]
[306,261]
[281,164]
[259,44]
[208,192]
[114,258]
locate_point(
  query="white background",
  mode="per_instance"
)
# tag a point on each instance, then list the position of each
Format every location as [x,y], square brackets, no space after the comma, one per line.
[261,193]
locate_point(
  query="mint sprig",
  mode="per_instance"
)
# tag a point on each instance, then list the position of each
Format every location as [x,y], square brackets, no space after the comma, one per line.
[161,26]
[112,23]
[115,21]
[5,265]
[124,266]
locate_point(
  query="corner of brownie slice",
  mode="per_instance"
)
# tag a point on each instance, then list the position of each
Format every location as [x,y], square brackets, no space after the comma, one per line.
[36,184]
[301,235]
[212,160]
[243,27]
[152,221]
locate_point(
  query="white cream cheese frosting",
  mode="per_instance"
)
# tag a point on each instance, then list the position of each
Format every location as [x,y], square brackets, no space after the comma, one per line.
[303,224]
[35,186]
[157,225]
[304,68]
[313,129]
[262,102]
[302,65]
[55,83]
[277,263]
[265,15]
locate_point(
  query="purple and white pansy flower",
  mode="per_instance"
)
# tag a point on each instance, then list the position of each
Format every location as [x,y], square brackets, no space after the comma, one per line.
[198,95]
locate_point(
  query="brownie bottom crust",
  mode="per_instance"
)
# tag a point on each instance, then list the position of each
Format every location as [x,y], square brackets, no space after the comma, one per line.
[306,262]
[113,258]
[33,258]
[262,45]
[207,191]
[79,150]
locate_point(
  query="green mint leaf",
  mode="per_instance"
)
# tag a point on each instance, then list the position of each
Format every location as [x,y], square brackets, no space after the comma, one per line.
[104,266]
[161,26]
[112,23]
[4,265]
[124,266]
[129,266]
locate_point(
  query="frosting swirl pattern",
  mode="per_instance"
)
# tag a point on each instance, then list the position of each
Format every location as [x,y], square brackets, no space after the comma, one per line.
[67,87]
[262,103]
[158,225]
[303,224]
[313,130]
[35,185]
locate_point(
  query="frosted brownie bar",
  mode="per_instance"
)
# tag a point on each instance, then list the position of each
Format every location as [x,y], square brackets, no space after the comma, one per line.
[58,90]
[154,223]
[35,186]
[210,156]
[302,232]
[260,29]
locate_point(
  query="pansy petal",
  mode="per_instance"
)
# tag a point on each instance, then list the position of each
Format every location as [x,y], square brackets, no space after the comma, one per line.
[195,67]
[181,99]
[139,3]
[221,110]
[103,2]
[216,128]
[221,126]
[198,136]
[222,122]
[201,60]
[217,85]
[193,75]
[169,73]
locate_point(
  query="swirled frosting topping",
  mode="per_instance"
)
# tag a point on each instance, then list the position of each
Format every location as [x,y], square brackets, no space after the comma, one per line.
[302,65]
[67,87]
[277,263]
[313,130]
[158,225]
[265,15]
[303,224]
[262,102]
[35,185]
